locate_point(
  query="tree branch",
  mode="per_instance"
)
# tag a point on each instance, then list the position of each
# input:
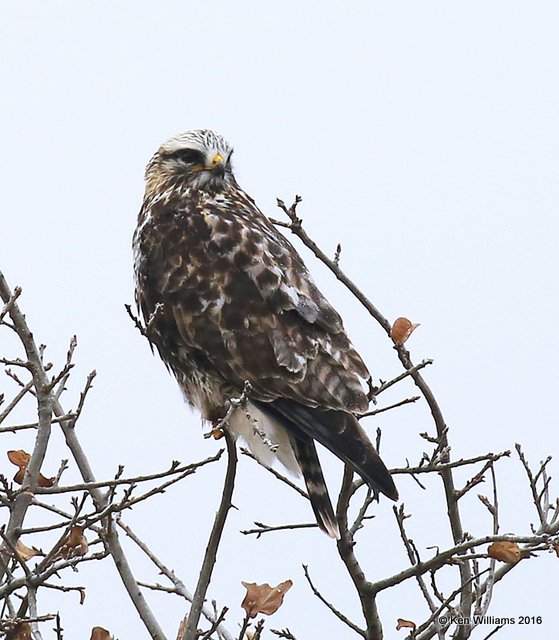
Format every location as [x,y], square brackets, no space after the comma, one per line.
[210,556]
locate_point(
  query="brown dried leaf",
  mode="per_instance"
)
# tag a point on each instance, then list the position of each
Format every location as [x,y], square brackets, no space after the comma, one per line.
[27,553]
[75,545]
[45,482]
[262,598]
[98,633]
[405,624]
[21,459]
[22,631]
[402,330]
[505,551]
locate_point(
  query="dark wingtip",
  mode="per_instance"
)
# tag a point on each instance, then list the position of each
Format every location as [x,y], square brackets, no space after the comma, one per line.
[392,492]
[377,476]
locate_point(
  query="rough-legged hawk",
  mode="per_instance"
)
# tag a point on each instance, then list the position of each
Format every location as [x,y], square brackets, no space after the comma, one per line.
[238,305]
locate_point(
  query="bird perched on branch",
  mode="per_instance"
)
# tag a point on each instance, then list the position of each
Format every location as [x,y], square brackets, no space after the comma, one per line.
[236,305]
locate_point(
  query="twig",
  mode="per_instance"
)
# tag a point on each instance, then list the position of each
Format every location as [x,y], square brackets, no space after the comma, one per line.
[63,376]
[220,618]
[533,488]
[34,425]
[175,468]
[435,616]
[494,631]
[10,302]
[25,389]
[330,606]
[345,546]
[178,586]
[244,626]
[83,395]
[409,372]
[111,539]
[147,329]
[264,528]
[442,557]
[374,412]
[483,604]
[275,473]
[214,539]
[413,554]
[283,633]
[437,468]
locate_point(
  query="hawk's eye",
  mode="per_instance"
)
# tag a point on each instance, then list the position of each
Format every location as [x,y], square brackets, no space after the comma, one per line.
[190,156]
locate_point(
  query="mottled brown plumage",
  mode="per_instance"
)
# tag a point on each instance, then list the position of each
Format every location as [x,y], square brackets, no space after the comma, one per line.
[238,305]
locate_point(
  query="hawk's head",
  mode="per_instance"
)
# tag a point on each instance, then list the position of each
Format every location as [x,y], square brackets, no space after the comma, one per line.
[200,159]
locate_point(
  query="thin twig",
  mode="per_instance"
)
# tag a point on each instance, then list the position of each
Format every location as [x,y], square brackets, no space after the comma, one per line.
[214,540]
[264,528]
[375,412]
[330,606]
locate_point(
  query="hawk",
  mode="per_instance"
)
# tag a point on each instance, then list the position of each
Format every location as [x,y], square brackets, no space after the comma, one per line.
[230,302]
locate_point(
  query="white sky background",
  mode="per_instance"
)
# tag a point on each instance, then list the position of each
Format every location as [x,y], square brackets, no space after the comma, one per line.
[422,135]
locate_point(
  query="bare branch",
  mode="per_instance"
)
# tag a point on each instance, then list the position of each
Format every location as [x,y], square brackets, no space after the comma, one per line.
[178,586]
[330,606]
[374,412]
[214,540]
[264,528]
[276,474]
[51,404]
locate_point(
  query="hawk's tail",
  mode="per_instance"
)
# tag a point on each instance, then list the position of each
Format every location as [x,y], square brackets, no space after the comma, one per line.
[305,453]
[340,432]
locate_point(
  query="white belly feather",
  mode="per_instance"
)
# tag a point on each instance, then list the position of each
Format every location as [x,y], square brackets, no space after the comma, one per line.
[266,438]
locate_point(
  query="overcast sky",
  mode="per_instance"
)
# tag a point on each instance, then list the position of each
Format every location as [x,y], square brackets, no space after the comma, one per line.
[422,136]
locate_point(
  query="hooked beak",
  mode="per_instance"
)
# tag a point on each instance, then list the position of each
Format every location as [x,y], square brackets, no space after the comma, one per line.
[217,165]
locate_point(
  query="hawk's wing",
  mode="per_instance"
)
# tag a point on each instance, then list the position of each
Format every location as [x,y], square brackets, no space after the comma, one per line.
[240,295]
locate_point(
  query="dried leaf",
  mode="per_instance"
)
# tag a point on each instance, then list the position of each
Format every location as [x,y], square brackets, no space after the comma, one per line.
[402,330]
[75,545]
[262,598]
[45,482]
[405,624]
[21,459]
[98,633]
[27,553]
[22,631]
[505,551]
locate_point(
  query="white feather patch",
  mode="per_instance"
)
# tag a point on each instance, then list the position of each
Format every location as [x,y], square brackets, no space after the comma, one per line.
[266,438]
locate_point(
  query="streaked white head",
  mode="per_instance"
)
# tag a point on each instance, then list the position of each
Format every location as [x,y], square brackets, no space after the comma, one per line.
[199,159]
